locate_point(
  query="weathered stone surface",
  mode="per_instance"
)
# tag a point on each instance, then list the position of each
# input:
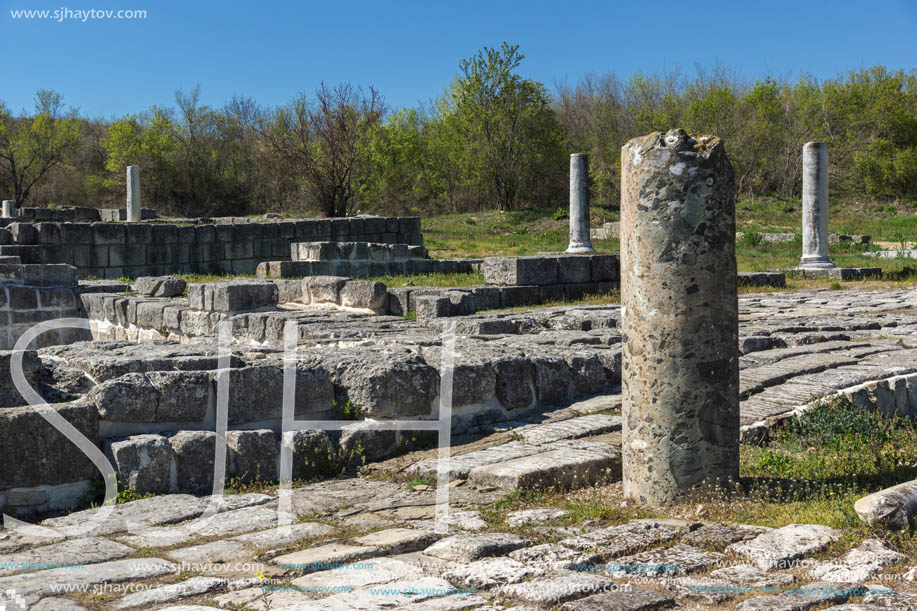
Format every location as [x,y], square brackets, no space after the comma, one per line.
[215,551]
[575,466]
[360,440]
[43,583]
[894,507]
[280,537]
[556,588]
[160,286]
[534,516]
[490,573]
[573,428]
[363,294]
[721,535]
[41,453]
[194,460]
[319,558]
[397,540]
[174,591]
[87,550]
[680,559]
[803,597]
[253,455]
[143,462]
[555,557]
[377,570]
[616,541]
[747,575]
[634,599]
[468,548]
[158,396]
[325,289]
[859,564]
[815,206]
[681,407]
[778,548]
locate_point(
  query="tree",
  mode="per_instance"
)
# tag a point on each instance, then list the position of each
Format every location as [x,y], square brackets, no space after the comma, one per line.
[325,140]
[501,129]
[30,147]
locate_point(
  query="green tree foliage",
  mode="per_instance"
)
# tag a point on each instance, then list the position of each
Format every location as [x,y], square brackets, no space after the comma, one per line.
[31,147]
[494,139]
[499,129]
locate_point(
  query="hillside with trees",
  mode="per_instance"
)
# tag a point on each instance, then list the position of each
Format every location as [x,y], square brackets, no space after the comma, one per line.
[492,140]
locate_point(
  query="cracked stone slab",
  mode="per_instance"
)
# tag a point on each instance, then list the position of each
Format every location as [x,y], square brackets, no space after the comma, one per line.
[859,564]
[57,604]
[468,548]
[465,520]
[779,548]
[215,551]
[378,570]
[490,573]
[707,591]
[154,511]
[635,599]
[219,525]
[319,558]
[43,583]
[398,540]
[414,592]
[721,535]
[574,428]
[799,599]
[281,537]
[555,557]
[748,575]
[617,541]
[679,559]
[556,588]
[88,550]
[878,595]
[564,466]
[173,591]
[534,516]
[458,467]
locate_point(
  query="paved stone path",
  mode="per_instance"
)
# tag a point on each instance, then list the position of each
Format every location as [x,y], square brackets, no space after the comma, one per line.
[153,554]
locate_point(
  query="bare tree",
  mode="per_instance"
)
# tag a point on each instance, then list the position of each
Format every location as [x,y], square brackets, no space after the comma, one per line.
[326,139]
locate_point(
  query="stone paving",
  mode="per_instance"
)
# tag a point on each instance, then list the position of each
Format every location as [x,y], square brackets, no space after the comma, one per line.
[370,543]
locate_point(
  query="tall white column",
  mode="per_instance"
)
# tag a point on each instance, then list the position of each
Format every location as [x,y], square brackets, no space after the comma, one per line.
[815,206]
[579,204]
[9,208]
[133,193]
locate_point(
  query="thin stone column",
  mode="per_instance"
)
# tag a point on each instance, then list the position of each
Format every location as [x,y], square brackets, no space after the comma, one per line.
[680,315]
[579,204]
[9,208]
[133,193]
[815,206]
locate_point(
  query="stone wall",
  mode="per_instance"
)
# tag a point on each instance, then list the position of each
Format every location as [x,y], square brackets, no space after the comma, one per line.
[32,293]
[73,214]
[113,250]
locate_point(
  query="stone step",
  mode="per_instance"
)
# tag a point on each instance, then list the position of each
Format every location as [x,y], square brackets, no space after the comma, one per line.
[756,379]
[574,428]
[577,465]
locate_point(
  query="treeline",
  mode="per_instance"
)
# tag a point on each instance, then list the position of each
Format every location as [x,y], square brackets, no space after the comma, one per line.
[493,140]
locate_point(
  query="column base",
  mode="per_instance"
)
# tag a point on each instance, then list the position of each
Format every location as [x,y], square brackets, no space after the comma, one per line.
[578,248]
[816,263]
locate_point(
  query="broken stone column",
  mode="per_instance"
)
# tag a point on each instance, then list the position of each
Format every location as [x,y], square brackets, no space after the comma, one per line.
[680,315]
[133,193]
[815,206]
[9,208]
[579,204]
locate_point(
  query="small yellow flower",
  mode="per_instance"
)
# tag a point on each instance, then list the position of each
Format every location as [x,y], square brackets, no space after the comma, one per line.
[260,575]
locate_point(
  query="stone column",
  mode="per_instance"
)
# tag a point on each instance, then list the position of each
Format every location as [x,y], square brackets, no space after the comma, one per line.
[815,206]
[133,193]
[9,208]
[579,204]
[680,315]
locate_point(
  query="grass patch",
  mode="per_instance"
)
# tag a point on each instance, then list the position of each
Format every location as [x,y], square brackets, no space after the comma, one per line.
[439,280]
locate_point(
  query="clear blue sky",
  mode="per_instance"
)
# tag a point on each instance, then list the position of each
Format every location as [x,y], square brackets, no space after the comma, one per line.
[410,50]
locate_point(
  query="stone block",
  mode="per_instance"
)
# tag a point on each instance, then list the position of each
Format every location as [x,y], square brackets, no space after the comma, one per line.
[143,462]
[398,301]
[486,297]
[312,453]
[253,455]
[149,313]
[359,441]
[553,380]
[326,289]
[194,460]
[160,286]
[243,295]
[256,394]
[75,233]
[429,307]
[604,268]
[573,269]
[23,298]
[515,296]
[58,274]
[43,455]
[56,298]
[289,291]
[23,233]
[363,294]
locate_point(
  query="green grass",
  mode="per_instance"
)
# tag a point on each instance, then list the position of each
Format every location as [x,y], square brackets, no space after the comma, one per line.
[441,280]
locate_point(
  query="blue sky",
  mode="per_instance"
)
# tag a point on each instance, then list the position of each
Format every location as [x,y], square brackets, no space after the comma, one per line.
[411,50]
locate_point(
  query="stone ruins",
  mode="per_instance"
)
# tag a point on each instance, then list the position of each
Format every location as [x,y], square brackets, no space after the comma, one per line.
[657,392]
